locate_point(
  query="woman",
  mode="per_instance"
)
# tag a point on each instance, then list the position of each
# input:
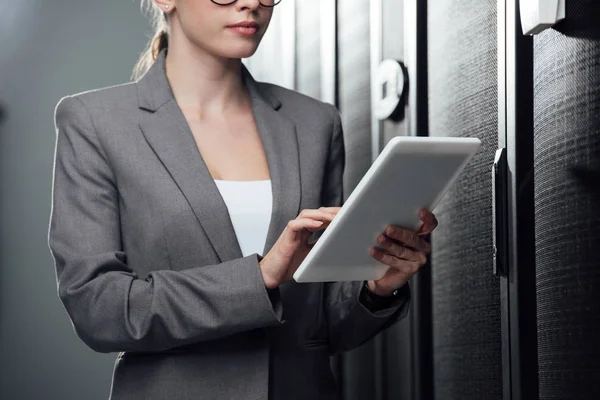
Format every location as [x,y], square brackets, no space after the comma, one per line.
[167,193]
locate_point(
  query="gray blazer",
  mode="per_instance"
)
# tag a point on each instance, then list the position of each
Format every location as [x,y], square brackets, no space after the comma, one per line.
[148,264]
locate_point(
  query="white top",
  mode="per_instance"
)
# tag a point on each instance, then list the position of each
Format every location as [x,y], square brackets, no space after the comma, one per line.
[249,204]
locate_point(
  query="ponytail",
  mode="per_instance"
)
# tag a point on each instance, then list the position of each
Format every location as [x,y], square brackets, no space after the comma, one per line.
[159,41]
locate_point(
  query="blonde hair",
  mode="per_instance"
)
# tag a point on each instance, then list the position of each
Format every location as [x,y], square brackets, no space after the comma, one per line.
[159,41]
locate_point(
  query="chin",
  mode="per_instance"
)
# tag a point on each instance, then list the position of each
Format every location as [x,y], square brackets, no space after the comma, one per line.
[244,50]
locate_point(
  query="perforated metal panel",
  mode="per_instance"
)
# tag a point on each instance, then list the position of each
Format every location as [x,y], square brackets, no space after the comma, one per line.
[466,295]
[308,56]
[567,200]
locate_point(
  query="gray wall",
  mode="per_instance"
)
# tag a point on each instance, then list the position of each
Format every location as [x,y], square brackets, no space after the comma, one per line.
[49,49]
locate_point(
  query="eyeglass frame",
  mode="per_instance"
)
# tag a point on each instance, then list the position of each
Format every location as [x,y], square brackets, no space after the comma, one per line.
[233,1]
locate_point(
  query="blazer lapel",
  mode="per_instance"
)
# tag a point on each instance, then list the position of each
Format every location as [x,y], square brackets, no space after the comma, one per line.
[280,141]
[168,133]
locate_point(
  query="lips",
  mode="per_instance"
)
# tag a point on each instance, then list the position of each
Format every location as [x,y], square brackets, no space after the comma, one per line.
[244,24]
[245,28]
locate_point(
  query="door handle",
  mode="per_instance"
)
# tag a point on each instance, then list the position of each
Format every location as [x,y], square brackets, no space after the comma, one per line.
[500,213]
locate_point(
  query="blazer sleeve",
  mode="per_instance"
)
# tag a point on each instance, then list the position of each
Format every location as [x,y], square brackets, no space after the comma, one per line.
[111,308]
[350,322]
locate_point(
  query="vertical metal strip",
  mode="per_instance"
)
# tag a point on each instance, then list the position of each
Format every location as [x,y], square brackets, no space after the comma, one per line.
[501,33]
[417,124]
[515,116]
[410,60]
[376,50]
[521,244]
[328,21]
[376,47]
[288,42]
[415,56]
[501,30]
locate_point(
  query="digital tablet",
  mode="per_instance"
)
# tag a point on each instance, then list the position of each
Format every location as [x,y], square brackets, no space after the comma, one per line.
[410,173]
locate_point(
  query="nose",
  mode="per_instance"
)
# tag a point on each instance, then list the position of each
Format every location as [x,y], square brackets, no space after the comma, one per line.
[242,5]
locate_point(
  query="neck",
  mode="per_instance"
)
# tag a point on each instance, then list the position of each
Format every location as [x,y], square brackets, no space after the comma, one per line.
[203,84]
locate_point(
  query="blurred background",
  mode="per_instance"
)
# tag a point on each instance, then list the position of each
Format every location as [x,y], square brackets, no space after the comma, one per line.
[509,307]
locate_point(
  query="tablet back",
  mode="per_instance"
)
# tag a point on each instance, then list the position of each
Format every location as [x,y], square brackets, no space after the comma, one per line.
[409,174]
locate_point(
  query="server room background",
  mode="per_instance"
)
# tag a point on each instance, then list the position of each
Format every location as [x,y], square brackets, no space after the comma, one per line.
[519,320]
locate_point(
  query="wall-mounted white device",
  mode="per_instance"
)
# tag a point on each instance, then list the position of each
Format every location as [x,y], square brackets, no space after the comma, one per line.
[538,15]
[390,86]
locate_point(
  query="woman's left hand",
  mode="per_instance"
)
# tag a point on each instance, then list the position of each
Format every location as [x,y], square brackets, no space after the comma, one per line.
[405,251]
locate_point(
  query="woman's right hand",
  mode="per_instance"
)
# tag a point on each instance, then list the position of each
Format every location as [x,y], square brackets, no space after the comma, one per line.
[281,262]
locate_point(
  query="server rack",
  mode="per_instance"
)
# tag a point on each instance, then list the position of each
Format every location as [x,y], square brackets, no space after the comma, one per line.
[463,101]
[567,203]
[484,327]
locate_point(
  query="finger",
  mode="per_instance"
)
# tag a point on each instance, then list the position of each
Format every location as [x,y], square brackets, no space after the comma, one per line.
[333,210]
[423,232]
[425,229]
[407,237]
[320,215]
[394,248]
[407,267]
[298,224]
[430,222]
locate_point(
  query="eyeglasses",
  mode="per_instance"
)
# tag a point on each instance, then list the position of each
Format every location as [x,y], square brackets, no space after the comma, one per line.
[264,3]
